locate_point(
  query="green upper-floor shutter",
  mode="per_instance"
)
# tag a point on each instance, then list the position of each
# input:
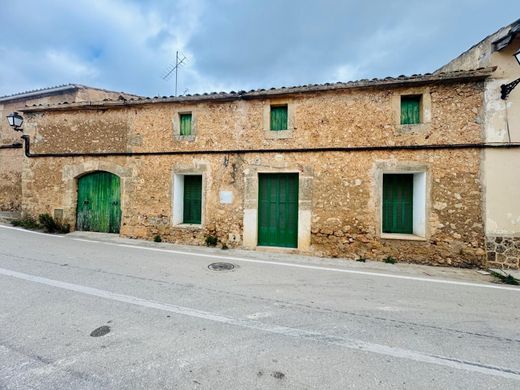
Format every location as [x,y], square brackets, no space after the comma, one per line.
[398,203]
[192,199]
[185,124]
[410,110]
[278,118]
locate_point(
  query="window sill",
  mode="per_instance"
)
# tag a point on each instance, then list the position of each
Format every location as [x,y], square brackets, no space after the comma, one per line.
[189,138]
[415,128]
[278,134]
[401,236]
[188,226]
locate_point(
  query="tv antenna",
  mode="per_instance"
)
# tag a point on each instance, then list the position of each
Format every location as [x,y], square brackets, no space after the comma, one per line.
[175,68]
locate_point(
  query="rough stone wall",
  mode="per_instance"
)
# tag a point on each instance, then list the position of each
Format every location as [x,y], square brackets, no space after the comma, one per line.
[345,191]
[11,159]
[346,208]
[7,135]
[344,204]
[85,131]
[503,252]
[348,118]
[10,179]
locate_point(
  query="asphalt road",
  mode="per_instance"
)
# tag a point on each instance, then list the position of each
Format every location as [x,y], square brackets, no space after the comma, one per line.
[274,322]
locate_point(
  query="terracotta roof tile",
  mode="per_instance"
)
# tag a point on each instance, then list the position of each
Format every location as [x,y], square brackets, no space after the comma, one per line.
[460,75]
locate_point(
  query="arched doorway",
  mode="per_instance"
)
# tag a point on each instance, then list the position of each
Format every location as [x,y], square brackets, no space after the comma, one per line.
[99,202]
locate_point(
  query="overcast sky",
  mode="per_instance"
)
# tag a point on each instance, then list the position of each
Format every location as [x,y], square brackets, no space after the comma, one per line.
[128,45]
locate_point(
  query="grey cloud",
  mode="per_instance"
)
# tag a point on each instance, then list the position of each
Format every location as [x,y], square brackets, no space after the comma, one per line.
[232,44]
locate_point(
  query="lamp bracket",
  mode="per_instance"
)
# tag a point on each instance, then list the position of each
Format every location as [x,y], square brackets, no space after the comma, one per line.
[505,89]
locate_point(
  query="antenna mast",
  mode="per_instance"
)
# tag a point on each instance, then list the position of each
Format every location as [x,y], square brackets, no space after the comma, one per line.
[178,63]
[176,69]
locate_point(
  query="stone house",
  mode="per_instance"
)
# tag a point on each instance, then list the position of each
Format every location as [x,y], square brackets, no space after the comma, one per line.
[11,154]
[372,168]
[500,167]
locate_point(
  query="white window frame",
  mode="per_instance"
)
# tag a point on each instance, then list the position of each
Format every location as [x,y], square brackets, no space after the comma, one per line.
[177,124]
[278,134]
[178,199]
[419,207]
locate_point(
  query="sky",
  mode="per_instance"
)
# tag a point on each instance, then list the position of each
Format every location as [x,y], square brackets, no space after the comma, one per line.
[129,45]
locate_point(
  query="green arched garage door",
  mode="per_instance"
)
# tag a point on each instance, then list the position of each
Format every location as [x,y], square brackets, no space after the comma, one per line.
[99,203]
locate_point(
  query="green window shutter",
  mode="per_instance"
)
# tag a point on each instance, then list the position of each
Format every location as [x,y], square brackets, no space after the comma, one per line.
[192,199]
[278,118]
[398,203]
[410,110]
[185,124]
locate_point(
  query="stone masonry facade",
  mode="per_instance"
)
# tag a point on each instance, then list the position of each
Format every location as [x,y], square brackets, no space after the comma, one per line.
[339,190]
[503,252]
[11,160]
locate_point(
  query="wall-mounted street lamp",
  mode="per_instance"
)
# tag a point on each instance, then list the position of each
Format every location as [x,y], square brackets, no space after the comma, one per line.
[506,89]
[15,121]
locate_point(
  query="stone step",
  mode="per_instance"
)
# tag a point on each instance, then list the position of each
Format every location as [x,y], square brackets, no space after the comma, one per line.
[8,216]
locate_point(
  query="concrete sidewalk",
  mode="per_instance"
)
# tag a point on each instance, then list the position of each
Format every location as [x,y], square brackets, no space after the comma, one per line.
[404,269]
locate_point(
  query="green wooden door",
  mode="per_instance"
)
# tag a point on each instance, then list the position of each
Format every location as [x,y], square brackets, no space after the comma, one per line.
[398,203]
[99,203]
[192,199]
[278,209]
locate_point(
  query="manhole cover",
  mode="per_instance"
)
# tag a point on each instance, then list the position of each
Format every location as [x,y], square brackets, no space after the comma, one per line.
[101,331]
[221,266]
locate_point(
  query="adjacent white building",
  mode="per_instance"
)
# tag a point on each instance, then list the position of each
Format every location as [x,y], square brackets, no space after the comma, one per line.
[500,166]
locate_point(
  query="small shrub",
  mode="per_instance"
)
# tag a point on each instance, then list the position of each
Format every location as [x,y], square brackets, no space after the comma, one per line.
[157,238]
[509,279]
[211,241]
[27,222]
[390,260]
[48,223]
[361,260]
[52,226]
[224,246]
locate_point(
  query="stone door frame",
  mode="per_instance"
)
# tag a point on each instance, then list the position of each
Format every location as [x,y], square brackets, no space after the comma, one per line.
[71,174]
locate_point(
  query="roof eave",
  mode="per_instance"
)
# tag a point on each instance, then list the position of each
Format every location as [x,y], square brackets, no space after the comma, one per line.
[436,78]
[38,93]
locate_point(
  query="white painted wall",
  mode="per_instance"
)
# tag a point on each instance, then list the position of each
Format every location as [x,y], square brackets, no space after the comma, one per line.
[500,168]
[419,204]
[178,199]
[502,181]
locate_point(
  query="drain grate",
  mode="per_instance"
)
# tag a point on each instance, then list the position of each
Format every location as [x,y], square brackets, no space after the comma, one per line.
[221,266]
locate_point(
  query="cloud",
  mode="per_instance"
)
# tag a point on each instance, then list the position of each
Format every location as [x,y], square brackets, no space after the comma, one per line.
[67,64]
[232,44]
[346,72]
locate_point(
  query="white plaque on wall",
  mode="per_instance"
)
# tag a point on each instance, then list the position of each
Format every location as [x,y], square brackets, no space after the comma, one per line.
[226,197]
